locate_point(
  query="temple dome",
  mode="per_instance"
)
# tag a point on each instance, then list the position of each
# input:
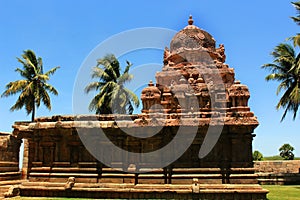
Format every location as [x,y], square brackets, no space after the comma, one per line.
[150,92]
[192,37]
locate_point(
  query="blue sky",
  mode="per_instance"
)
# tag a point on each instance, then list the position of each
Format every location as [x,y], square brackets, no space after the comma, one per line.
[63,33]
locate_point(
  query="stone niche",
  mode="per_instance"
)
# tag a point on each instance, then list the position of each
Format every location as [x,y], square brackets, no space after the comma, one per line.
[185,94]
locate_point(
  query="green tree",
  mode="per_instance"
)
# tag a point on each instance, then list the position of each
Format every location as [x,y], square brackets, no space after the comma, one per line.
[286,152]
[285,69]
[257,156]
[112,96]
[33,87]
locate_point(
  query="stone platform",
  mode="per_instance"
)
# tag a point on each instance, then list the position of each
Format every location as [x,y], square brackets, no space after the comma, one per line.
[144,191]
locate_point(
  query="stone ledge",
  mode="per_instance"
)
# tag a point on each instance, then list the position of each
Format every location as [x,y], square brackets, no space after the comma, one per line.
[141,120]
[166,191]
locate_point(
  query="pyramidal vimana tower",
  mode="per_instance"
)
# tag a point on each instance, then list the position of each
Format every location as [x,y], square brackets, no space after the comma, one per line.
[195,96]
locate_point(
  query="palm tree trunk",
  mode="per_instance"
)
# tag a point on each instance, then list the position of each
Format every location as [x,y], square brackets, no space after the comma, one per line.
[33,110]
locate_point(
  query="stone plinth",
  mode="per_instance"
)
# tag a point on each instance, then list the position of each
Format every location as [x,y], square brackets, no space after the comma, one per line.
[144,191]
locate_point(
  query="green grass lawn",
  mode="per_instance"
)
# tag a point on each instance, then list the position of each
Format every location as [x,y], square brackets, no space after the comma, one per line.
[277,192]
[285,192]
[276,158]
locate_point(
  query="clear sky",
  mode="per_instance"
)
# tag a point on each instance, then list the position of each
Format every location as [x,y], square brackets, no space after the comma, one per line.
[63,33]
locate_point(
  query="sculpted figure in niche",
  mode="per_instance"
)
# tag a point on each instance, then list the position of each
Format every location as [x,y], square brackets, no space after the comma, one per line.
[166,55]
[221,51]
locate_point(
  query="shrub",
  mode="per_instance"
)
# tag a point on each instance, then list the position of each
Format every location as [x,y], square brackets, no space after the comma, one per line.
[286,152]
[257,156]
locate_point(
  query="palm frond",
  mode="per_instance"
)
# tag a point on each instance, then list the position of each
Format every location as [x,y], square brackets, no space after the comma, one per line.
[295,39]
[297,6]
[50,88]
[92,86]
[283,86]
[30,64]
[274,68]
[39,65]
[14,87]
[285,69]
[41,77]
[51,71]
[101,74]
[45,98]
[111,66]
[125,78]
[129,64]
[274,76]
[133,97]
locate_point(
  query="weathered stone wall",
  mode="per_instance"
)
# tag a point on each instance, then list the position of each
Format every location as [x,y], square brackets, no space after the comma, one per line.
[53,150]
[9,156]
[277,167]
[278,172]
[9,147]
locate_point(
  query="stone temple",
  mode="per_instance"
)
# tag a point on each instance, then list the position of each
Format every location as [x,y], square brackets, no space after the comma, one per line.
[203,131]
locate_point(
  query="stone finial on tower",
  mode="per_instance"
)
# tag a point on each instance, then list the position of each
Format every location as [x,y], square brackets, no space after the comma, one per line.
[191,21]
[150,83]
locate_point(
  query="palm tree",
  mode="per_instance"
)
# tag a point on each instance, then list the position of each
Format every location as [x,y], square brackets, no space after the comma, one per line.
[286,69]
[33,87]
[112,97]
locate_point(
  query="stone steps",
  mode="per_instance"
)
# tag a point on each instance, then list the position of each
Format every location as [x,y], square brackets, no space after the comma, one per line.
[3,189]
[10,175]
[157,176]
[5,185]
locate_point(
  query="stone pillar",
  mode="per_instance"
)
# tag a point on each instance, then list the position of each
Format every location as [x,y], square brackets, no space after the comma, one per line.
[25,166]
[234,149]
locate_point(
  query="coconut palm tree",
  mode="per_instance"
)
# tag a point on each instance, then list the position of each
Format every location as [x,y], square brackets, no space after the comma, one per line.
[33,87]
[112,96]
[286,69]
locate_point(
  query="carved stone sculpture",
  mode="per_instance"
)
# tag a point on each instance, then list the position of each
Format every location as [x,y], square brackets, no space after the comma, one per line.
[70,183]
